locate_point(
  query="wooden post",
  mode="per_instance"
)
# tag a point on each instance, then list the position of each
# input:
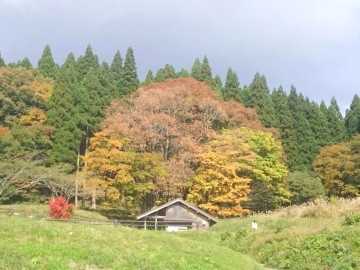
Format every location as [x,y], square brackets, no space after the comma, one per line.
[156,222]
[145,224]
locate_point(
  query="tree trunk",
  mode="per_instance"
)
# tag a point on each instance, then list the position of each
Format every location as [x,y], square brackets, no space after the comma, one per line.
[77,178]
[123,195]
[83,205]
[93,200]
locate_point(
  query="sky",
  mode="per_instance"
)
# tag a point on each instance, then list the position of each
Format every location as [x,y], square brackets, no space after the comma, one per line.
[311,44]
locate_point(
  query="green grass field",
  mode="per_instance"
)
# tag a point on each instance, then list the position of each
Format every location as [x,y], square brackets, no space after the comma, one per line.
[39,244]
[281,242]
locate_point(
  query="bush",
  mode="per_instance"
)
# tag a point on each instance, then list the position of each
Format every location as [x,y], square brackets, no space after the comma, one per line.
[352,218]
[60,208]
[305,187]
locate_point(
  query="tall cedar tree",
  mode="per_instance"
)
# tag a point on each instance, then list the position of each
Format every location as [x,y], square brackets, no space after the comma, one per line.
[305,142]
[352,117]
[319,124]
[2,62]
[260,100]
[117,66]
[98,100]
[107,81]
[337,127]
[218,85]
[149,77]
[196,70]
[85,62]
[129,79]
[206,73]
[67,114]
[116,69]
[317,121]
[46,63]
[26,63]
[231,90]
[183,73]
[168,72]
[285,125]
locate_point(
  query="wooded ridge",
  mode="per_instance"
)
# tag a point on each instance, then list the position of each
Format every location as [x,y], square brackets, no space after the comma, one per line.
[93,131]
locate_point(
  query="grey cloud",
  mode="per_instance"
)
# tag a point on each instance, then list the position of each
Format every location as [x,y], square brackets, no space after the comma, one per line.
[312,44]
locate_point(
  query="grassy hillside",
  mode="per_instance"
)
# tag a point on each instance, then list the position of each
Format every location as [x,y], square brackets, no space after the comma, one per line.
[320,235]
[35,244]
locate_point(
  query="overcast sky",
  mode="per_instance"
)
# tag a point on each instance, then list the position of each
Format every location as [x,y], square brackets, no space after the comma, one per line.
[313,44]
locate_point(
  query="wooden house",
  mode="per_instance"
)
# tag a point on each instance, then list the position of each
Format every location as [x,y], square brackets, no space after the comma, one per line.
[177,215]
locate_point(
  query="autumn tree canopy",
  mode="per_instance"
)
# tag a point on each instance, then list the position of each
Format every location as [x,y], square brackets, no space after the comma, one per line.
[180,122]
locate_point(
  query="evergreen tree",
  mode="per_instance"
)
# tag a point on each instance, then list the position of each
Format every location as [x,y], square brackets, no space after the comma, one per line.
[245,96]
[46,64]
[305,142]
[319,125]
[231,90]
[168,72]
[67,114]
[183,73]
[323,108]
[116,68]
[2,62]
[217,85]
[107,82]
[160,75]
[352,117]
[196,70]
[336,122]
[85,62]
[98,100]
[285,125]
[206,74]
[260,100]
[129,78]
[149,77]
[26,63]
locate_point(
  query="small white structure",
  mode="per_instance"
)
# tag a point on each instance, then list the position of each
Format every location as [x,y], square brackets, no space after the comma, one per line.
[254,225]
[176,228]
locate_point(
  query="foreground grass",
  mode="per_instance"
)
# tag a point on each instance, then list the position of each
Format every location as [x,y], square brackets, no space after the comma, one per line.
[35,244]
[294,243]
[312,236]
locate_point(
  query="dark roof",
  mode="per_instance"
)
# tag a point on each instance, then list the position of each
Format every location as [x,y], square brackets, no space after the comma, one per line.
[173,202]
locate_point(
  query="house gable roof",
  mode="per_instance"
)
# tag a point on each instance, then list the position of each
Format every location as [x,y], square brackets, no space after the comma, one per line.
[173,202]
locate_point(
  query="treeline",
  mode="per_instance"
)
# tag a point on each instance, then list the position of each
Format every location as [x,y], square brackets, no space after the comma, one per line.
[61,115]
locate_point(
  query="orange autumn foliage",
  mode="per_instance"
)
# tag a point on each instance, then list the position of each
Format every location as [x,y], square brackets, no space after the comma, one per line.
[176,118]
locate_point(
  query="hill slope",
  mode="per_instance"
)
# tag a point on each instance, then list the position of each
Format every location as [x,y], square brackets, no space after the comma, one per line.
[36,244]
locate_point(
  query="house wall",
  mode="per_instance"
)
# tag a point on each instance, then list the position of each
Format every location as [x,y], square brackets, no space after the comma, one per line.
[180,211]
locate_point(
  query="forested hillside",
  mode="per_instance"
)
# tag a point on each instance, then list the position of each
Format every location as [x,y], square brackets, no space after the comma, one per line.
[93,132]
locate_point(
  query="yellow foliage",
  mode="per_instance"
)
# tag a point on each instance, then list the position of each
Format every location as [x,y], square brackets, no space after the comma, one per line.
[42,89]
[34,115]
[229,166]
[123,174]
[218,186]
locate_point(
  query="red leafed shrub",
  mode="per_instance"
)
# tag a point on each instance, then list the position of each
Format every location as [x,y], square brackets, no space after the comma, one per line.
[60,208]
